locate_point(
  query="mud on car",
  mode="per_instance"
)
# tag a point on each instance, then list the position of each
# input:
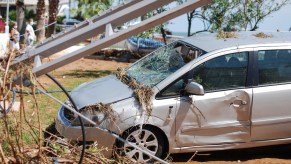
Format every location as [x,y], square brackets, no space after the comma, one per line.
[203,93]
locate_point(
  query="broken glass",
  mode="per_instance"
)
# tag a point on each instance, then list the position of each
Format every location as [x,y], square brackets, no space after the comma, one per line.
[155,67]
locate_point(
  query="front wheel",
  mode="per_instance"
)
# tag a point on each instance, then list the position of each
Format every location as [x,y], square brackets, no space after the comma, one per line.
[148,139]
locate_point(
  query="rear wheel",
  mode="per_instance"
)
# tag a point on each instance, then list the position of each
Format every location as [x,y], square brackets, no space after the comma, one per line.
[148,139]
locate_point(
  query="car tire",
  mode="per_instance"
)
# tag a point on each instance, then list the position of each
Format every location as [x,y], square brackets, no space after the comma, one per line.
[147,138]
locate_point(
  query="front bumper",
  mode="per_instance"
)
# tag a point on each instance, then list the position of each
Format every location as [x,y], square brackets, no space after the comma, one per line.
[104,140]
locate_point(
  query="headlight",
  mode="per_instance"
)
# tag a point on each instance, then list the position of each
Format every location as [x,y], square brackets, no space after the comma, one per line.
[98,118]
[96,112]
[68,113]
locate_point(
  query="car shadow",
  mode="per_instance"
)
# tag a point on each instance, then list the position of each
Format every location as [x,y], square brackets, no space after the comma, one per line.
[88,73]
[278,152]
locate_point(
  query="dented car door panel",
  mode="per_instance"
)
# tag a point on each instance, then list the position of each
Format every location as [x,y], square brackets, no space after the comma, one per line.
[215,118]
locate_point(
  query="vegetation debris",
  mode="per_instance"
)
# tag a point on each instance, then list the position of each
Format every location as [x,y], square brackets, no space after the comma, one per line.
[143,93]
[106,109]
[25,137]
[225,35]
[262,35]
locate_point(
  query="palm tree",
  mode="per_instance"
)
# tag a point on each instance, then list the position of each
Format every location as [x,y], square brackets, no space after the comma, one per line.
[53,10]
[20,15]
[40,18]
[87,9]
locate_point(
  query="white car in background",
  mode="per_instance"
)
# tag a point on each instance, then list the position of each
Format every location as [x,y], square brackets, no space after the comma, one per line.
[69,23]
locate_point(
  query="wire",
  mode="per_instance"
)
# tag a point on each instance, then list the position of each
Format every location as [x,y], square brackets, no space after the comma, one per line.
[41,28]
[80,119]
[38,92]
[10,106]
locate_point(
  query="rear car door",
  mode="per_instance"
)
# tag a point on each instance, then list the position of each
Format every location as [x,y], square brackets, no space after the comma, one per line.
[271,115]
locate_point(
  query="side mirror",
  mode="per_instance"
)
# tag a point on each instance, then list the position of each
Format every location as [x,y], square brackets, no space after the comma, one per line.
[194,88]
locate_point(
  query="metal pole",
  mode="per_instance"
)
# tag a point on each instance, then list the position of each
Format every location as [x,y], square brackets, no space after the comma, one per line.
[7,18]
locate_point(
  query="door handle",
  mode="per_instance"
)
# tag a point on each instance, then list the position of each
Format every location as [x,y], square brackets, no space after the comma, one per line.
[238,103]
[170,112]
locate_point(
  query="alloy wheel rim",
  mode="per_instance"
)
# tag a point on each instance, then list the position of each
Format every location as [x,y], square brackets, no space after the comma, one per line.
[144,139]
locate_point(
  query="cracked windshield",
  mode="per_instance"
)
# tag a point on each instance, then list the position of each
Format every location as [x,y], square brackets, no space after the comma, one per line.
[161,63]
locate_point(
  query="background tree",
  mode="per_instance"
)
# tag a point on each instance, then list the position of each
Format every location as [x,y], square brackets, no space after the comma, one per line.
[219,14]
[252,12]
[53,11]
[229,15]
[20,16]
[190,17]
[40,18]
[157,29]
[95,6]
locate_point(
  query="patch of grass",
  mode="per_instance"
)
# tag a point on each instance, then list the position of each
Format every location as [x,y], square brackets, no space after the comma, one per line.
[23,139]
[27,138]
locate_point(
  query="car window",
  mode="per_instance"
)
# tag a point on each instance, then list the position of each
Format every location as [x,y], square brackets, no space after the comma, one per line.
[274,66]
[175,89]
[223,72]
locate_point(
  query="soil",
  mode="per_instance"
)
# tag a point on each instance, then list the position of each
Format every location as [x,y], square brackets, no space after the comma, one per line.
[94,64]
[263,155]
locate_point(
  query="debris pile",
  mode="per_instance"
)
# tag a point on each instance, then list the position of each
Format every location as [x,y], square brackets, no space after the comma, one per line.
[106,109]
[262,35]
[143,93]
[226,35]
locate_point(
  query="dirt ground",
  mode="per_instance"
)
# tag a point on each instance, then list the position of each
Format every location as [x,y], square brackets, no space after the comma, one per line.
[94,64]
[264,155]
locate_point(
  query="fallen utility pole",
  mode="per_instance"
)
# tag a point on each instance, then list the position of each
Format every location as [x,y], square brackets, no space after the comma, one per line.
[103,24]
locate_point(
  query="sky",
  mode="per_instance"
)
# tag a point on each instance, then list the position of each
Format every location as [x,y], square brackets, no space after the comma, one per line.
[278,20]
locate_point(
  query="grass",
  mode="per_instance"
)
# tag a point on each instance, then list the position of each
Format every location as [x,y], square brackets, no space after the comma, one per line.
[26,121]
[69,80]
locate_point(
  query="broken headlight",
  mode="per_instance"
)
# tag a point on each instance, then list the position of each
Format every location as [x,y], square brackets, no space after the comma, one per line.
[96,117]
[68,113]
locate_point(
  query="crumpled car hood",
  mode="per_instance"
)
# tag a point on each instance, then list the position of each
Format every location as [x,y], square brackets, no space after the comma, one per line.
[106,90]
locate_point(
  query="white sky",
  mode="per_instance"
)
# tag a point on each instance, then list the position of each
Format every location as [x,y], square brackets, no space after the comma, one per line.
[279,20]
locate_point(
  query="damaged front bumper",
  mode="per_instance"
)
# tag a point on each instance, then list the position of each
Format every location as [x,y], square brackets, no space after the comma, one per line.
[104,140]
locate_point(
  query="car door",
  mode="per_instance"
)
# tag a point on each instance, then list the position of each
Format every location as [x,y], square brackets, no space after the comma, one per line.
[220,116]
[271,115]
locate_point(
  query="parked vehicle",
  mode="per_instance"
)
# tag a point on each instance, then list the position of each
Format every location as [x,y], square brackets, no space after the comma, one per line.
[142,45]
[67,23]
[208,93]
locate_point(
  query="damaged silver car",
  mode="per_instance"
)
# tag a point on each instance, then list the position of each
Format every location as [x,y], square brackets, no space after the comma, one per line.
[203,93]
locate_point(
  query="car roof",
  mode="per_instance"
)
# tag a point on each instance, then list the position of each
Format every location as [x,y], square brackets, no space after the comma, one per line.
[215,41]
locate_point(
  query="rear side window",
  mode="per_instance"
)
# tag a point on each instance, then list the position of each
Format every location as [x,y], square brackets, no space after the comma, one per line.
[274,66]
[223,72]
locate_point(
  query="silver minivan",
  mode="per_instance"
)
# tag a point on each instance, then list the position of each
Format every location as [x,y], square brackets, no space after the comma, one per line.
[203,93]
